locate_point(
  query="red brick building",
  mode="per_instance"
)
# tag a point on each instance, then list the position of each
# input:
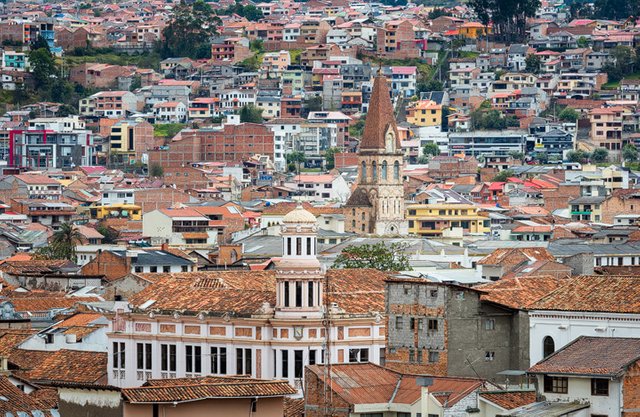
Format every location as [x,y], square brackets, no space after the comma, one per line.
[233,143]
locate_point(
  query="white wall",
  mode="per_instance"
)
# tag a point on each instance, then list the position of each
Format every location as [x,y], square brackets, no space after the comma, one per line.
[565,327]
[579,389]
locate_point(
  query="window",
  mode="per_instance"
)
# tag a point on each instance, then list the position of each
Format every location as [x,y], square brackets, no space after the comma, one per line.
[143,355]
[358,355]
[599,386]
[374,171]
[168,357]
[219,360]
[490,324]
[153,269]
[166,268]
[412,323]
[193,359]
[298,293]
[556,384]
[384,170]
[137,269]
[396,170]
[243,361]
[363,172]
[434,357]
[432,325]
[489,356]
[289,246]
[284,362]
[309,246]
[399,323]
[298,246]
[310,294]
[548,346]
[312,357]
[298,363]
[118,355]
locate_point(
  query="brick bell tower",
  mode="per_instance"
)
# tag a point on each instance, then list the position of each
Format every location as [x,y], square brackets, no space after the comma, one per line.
[377,205]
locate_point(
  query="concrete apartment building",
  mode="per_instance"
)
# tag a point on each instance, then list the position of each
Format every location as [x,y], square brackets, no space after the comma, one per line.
[110,104]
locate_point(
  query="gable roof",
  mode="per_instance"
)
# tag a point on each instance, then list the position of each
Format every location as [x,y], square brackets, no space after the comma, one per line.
[367,383]
[615,294]
[588,355]
[357,291]
[179,390]
[15,402]
[509,400]
[70,366]
[520,292]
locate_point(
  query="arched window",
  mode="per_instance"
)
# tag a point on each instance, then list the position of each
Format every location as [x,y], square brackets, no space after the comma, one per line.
[353,212]
[374,171]
[384,170]
[363,172]
[548,346]
[363,215]
[396,170]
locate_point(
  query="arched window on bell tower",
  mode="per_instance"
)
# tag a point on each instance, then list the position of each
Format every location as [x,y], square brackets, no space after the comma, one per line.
[374,172]
[396,170]
[363,172]
[384,170]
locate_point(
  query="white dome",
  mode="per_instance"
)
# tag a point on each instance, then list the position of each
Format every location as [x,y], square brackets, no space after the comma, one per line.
[299,215]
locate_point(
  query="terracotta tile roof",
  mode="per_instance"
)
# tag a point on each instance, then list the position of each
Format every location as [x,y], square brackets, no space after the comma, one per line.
[11,338]
[285,207]
[520,292]
[15,401]
[367,383]
[48,397]
[45,303]
[509,400]
[587,355]
[509,257]
[356,291]
[72,366]
[32,266]
[193,389]
[79,319]
[615,294]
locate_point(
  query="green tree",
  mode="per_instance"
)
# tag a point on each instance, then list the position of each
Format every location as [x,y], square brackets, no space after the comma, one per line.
[294,160]
[62,244]
[437,12]
[503,175]
[509,17]
[43,68]
[135,83]
[40,43]
[156,170]
[330,157]
[582,42]
[599,155]
[630,153]
[251,114]
[257,45]
[431,149]
[516,155]
[356,129]
[376,256]
[533,63]
[191,26]
[313,103]
[110,235]
[578,156]
[569,114]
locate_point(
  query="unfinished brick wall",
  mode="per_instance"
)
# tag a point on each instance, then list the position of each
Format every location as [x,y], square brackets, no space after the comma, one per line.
[316,400]
[631,391]
[413,344]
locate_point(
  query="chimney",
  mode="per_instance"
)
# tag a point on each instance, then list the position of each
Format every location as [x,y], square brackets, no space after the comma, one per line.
[164,246]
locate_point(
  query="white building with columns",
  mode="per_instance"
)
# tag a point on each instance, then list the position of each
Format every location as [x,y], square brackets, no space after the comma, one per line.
[267,324]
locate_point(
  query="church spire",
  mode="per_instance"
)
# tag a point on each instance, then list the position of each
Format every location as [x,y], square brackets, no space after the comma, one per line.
[380,117]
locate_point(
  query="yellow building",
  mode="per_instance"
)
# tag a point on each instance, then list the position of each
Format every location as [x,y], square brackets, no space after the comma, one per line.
[473,30]
[438,220]
[124,211]
[425,113]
